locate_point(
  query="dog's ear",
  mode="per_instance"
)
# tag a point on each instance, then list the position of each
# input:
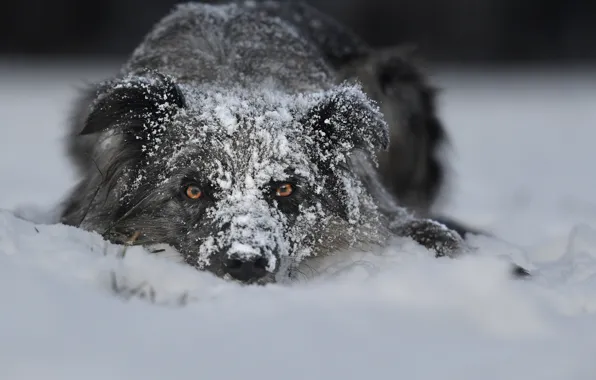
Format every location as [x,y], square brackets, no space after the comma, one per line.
[344,120]
[139,101]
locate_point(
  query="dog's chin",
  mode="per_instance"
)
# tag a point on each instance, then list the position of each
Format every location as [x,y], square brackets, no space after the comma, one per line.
[269,278]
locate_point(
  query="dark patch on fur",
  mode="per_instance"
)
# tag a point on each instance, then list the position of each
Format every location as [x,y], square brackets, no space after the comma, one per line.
[420,188]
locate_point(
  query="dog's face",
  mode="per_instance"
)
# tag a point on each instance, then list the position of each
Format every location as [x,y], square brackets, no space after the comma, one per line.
[241,183]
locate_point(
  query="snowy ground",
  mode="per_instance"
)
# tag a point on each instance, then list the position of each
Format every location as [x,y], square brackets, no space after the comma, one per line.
[523,165]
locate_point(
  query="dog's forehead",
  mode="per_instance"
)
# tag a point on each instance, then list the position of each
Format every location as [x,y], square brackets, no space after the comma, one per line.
[242,134]
[264,106]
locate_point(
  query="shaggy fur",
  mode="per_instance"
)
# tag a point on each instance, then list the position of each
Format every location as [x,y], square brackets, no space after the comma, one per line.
[243,99]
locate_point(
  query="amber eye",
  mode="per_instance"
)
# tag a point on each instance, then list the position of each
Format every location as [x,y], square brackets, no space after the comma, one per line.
[193,192]
[284,190]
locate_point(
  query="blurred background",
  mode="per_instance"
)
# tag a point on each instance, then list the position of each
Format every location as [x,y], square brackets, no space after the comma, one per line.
[449,31]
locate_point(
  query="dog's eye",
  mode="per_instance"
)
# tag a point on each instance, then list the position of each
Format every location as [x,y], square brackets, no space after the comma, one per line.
[284,190]
[193,192]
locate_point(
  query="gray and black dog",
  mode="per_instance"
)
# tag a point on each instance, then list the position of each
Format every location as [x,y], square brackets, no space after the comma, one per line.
[247,136]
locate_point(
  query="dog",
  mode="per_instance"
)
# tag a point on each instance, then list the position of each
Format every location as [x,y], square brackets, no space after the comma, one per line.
[249,137]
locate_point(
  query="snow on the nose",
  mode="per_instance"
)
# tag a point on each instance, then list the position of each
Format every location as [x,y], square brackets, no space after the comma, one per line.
[255,228]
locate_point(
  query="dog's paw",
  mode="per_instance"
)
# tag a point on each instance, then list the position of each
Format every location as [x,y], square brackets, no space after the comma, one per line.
[432,235]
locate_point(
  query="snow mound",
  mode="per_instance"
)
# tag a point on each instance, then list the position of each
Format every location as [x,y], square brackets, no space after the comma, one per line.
[79,307]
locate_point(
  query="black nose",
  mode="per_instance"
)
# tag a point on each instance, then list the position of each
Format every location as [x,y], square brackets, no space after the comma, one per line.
[246,270]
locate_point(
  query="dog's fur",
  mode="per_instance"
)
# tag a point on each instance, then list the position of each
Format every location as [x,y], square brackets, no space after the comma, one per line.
[242,97]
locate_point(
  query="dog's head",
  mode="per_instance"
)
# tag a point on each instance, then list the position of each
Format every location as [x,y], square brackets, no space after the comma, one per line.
[241,182]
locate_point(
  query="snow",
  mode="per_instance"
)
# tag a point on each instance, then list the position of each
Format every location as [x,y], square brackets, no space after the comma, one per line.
[76,307]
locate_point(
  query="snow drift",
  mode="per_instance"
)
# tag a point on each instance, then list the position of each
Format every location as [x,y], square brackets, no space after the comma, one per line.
[77,307]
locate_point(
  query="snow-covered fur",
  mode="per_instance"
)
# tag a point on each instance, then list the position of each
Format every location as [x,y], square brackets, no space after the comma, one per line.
[266,113]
